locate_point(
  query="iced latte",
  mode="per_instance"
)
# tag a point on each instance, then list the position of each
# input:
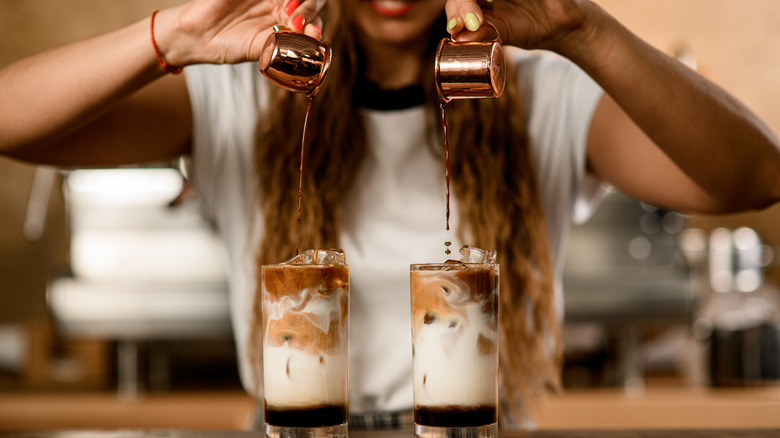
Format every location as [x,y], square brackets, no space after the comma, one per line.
[305,354]
[455,345]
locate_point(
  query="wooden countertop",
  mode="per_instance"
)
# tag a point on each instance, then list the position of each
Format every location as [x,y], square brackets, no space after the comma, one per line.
[656,409]
[744,433]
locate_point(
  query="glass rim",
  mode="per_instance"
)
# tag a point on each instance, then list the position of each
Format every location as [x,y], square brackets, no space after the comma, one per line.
[303,265]
[432,266]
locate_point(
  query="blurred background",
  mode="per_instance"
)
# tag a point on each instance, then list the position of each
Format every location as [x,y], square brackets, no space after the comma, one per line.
[113,307]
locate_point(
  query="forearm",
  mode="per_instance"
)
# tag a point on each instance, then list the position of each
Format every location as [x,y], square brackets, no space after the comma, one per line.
[711,136]
[51,95]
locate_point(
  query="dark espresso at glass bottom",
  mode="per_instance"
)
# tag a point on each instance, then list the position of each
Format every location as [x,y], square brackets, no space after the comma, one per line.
[317,416]
[455,416]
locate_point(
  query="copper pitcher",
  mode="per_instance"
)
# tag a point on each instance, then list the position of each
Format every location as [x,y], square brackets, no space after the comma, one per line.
[468,70]
[295,61]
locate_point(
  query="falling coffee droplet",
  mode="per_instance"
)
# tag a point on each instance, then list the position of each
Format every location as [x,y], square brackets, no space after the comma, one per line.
[442,105]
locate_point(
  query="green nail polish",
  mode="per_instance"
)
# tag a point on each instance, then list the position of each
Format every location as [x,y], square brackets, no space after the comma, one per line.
[452,23]
[472,22]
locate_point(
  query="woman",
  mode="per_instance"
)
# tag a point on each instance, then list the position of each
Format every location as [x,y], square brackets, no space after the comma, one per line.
[523,165]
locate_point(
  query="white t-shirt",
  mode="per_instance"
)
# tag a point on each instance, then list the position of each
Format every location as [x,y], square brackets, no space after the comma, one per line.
[395,216]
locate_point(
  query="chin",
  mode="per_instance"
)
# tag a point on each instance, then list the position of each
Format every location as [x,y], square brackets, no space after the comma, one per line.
[397,33]
[398,21]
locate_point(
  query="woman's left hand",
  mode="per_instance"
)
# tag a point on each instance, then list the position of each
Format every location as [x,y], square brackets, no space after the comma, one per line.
[529,24]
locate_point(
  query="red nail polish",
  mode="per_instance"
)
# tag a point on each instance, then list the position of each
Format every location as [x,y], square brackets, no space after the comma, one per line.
[298,22]
[290,7]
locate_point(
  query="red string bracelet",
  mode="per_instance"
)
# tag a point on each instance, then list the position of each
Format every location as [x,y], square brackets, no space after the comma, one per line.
[168,67]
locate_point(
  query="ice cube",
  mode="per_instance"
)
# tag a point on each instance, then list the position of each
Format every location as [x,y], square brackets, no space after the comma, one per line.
[303,258]
[453,265]
[470,254]
[330,256]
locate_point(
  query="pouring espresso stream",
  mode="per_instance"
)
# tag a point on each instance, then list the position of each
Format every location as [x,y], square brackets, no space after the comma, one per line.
[299,63]
[466,70]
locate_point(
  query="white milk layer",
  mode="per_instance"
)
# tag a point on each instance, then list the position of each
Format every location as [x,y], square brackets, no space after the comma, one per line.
[295,373]
[449,368]
[295,379]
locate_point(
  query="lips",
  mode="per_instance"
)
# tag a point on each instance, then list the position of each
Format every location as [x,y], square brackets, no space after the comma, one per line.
[391,8]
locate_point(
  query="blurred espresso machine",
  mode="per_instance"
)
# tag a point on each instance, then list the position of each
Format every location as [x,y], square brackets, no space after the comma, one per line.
[739,321]
[646,292]
[147,272]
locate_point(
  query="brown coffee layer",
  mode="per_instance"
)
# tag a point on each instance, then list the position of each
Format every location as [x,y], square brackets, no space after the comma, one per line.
[297,286]
[445,293]
[288,280]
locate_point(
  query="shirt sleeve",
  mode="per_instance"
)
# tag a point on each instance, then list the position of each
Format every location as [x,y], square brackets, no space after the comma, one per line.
[225,101]
[561,100]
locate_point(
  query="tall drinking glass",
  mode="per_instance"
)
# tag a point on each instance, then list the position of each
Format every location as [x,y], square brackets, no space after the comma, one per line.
[455,346]
[305,346]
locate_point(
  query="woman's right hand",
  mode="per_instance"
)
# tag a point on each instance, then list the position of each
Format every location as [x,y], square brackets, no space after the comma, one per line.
[68,119]
[229,31]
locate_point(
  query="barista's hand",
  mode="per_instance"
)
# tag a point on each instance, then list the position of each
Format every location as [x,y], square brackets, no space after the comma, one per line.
[229,31]
[531,24]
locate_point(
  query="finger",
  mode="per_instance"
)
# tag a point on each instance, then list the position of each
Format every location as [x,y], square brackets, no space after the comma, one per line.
[454,21]
[485,33]
[297,22]
[291,6]
[314,29]
[470,13]
[306,12]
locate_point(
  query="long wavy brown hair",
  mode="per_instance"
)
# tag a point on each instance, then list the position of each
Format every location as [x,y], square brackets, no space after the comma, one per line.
[493,178]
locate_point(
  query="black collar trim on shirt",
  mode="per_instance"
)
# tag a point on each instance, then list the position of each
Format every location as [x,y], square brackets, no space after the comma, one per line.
[368,95]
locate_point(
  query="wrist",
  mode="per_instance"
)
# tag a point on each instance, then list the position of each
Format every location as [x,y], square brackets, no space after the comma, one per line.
[165,37]
[586,42]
